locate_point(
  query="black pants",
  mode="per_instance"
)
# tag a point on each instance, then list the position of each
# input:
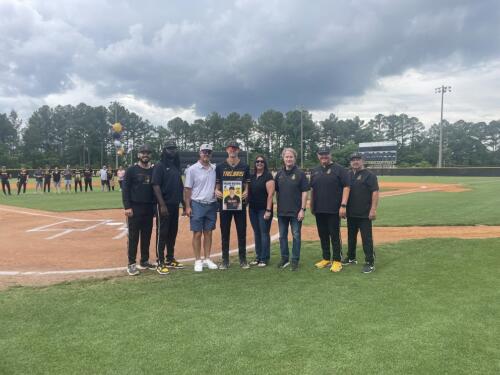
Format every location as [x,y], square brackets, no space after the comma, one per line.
[329,231]
[46,186]
[78,183]
[364,225]
[140,226]
[21,185]
[166,232]
[240,218]
[88,184]
[6,184]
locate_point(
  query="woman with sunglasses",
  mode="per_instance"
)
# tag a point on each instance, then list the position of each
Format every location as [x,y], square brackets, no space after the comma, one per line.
[260,201]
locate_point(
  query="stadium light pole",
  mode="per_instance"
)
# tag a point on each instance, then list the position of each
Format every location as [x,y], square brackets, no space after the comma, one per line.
[441,90]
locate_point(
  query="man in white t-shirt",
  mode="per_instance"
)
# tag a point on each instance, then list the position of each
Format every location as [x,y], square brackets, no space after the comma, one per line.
[201,205]
[103,172]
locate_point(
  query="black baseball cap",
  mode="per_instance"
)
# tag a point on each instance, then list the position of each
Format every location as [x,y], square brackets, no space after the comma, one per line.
[324,150]
[233,144]
[170,144]
[145,148]
[356,155]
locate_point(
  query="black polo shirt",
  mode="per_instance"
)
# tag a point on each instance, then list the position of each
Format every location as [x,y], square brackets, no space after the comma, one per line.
[22,177]
[257,191]
[363,184]
[290,184]
[137,190]
[169,179]
[327,184]
[225,172]
[56,176]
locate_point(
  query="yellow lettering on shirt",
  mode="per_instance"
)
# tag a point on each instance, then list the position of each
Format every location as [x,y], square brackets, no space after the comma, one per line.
[233,173]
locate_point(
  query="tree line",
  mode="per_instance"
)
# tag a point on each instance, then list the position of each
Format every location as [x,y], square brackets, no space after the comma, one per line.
[81,135]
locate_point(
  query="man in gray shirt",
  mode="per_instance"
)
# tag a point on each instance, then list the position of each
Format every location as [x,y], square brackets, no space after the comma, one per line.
[201,205]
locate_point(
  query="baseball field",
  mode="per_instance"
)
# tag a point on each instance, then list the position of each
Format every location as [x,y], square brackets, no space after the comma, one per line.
[431,307]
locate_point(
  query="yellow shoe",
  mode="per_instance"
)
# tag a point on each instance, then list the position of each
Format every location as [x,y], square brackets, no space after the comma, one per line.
[336,266]
[323,263]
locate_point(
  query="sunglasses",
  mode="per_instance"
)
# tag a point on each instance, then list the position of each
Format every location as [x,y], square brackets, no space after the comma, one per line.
[259,161]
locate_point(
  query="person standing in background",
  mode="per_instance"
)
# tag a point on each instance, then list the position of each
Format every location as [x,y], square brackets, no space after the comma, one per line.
[38,179]
[56,178]
[4,175]
[22,180]
[121,174]
[103,173]
[47,176]
[67,179]
[87,178]
[78,180]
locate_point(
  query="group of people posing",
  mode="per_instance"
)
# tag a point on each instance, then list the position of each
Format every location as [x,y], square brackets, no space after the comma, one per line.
[44,178]
[229,188]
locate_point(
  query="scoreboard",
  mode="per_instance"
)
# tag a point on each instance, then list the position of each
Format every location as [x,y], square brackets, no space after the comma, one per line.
[379,154]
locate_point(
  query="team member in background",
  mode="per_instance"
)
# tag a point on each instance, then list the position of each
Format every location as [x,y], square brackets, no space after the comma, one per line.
[201,206]
[22,180]
[121,174]
[87,178]
[233,169]
[111,179]
[291,188]
[56,179]
[4,175]
[139,204]
[168,189]
[39,179]
[67,179]
[329,193]
[260,209]
[47,176]
[78,180]
[361,211]
[103,173]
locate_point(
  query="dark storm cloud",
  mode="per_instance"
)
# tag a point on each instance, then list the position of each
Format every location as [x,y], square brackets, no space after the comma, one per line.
[243,56]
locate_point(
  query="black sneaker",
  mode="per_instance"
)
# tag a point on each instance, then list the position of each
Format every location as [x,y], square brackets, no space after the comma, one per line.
[174,264]
[132,270]
[224,265]
[346,261]
[146,266]
[295,266]
[368,268]
[244,265]
[284,263]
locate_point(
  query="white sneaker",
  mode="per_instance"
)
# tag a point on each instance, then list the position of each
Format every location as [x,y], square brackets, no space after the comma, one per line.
[198,266]
[208,263]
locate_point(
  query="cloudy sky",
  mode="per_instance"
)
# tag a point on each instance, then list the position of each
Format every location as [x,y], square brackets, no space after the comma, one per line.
[188,58]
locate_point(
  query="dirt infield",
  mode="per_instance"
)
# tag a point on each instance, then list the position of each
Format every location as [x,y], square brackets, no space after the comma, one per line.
[40,247]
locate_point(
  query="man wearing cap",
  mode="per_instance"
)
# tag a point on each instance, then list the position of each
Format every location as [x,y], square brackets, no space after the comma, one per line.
[168,189]
[233,169]
[329,194]
[361,211]
[139,204]
[201,205]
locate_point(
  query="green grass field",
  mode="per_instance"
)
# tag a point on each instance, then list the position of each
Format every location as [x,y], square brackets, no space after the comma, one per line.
[477,206]
[432,307]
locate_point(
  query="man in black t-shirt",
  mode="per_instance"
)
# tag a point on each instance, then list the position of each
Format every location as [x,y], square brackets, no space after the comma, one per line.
[22,180]
[56,179]
[361,211]
[291,191]
[139,205]
[4,175]
[87,178]
[47,176]
[168,189]
[329,194]
[38,179]
[233,169]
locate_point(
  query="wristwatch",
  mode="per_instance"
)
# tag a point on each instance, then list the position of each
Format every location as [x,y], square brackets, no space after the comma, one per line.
[343,206]
[303,209]
[268,210]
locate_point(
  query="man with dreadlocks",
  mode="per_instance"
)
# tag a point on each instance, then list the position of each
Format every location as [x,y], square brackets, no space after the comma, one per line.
[168,189]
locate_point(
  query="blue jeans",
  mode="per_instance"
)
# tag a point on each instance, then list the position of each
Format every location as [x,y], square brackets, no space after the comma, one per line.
[283,223]
[261,228]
